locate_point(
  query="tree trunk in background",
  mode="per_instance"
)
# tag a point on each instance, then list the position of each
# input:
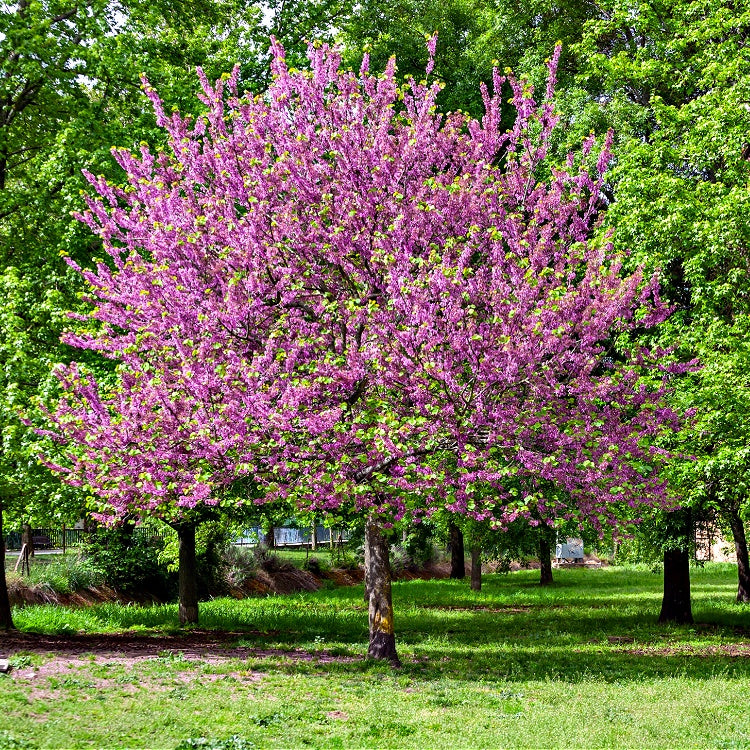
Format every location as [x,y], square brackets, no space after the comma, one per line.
[380,602]
[458,561]
[6,617]
[675,606]
[188,582]
[270,538]
[476,567]
[314,537]
[743,560]
[27,538]
[545,560]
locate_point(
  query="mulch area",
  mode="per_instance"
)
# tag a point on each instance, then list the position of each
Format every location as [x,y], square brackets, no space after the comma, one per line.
[285,579]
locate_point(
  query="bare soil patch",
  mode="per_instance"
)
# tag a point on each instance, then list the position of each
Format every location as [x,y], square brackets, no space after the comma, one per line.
[20,594]
[283,579]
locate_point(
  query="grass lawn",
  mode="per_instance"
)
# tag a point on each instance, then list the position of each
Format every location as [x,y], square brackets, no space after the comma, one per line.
[580,664]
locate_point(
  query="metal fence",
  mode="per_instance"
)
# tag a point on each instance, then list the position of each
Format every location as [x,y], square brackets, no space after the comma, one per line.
[48,538]
[51,538]
[285,536]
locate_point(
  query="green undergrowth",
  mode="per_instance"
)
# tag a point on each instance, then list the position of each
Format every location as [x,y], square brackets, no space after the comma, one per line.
[582,663]
[60,574]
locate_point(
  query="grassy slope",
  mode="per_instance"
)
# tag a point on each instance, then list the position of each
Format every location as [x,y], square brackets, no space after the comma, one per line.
[513,665]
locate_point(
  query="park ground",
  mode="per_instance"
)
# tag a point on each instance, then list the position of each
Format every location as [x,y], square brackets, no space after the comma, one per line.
[582,663]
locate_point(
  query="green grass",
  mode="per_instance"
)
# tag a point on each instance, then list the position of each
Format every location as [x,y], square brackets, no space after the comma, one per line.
[62,574]
[582,663]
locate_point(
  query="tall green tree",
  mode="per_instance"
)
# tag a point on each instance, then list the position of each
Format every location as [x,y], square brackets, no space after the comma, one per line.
[473,36]
[673,81]
[69,92]
[671,78]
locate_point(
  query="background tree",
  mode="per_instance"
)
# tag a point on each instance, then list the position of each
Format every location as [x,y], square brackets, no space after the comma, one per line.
[70,90]
[473,37]
[672,80]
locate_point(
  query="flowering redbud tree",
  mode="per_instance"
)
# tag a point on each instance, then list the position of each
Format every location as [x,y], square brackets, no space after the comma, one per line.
[370,305]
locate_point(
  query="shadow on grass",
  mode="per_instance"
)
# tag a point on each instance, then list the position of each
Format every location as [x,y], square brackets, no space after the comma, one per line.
[430,662]
[591,625]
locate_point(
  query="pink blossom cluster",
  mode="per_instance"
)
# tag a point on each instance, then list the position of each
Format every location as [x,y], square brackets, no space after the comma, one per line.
[363,303]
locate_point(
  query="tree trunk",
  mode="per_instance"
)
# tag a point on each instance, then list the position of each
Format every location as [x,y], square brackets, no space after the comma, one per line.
[476,567]
[367,586]
[314,537]
[675,606]
[458,561]
[380,601]
[545,560]
[270,538]
[188,582]
[743,560]
[6,617]
[27,538]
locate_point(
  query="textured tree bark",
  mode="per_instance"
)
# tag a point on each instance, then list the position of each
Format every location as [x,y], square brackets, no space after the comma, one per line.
[743,559]
[545,560]
[188,583]
[367,567]
[458,561]
[314,536]
[476,567]
[6,617]
[270,538]
[380,602]
[675,605]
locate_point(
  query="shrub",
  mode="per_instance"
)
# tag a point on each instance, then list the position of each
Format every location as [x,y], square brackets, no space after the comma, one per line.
[270,561]
[67,574]
[315,565]
[129,561]
[420,544]
[239,565]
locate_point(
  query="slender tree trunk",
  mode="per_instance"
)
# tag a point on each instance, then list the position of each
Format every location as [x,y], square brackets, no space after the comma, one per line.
[476,567]
[314,537]
[675,606]
[6,617]
[270,538]
[743,560]
[458,556]
[188,582]
[545,560]
[27,538]
[380,601]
